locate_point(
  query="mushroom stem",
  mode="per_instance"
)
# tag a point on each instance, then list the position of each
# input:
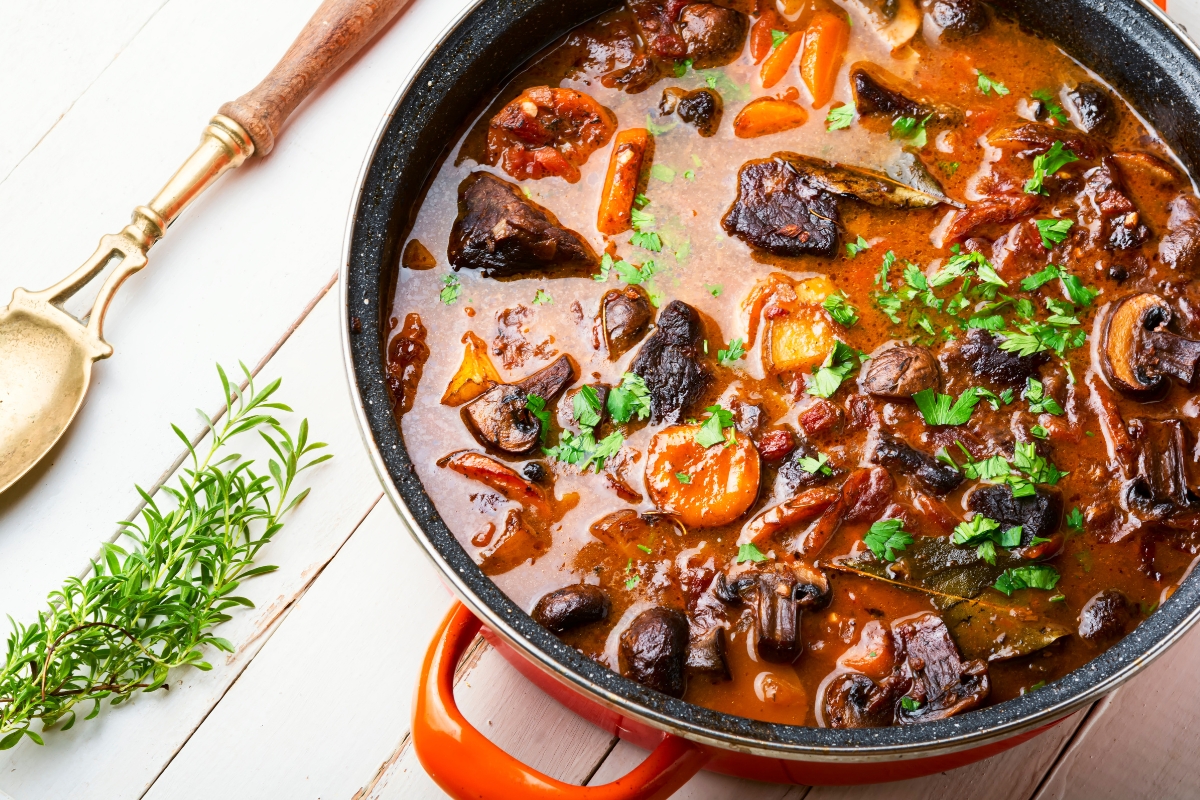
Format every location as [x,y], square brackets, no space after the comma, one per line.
[1171,354]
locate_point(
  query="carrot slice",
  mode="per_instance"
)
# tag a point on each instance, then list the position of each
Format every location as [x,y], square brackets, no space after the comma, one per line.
[620,187]
[776,65]
[768,115]
[824,48]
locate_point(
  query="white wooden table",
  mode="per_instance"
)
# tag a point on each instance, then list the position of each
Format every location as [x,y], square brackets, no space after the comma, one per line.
[100,101]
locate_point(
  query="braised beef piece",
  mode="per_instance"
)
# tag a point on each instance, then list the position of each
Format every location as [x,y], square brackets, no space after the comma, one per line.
[1035,138]
[942,682]
[625,316]
[502,233]
[670,363]
[1105,617]
[781,210]
[877,91]
[902,371]
[776,595]
[866,493]
[611,48]
[1179,249]
[700,108]
[1038,514]
[980,352]
[1159,490]
[958,19]
[706,654]
[934,475]
[775,445]
[654,650]
[855,701]
[710,35]
[1121,225]
[571,607]
[1092,109]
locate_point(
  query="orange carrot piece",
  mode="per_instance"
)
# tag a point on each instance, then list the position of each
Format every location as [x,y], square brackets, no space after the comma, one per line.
[776,65]
[768,115]
[824,48]
[620,187]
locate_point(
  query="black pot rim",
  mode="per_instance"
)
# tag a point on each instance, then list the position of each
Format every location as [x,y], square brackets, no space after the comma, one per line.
[362,297]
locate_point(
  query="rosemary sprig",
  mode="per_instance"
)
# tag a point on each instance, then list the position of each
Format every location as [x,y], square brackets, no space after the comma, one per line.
[155,594]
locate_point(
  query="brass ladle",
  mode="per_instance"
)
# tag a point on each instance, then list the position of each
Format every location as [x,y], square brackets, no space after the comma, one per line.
[46,354]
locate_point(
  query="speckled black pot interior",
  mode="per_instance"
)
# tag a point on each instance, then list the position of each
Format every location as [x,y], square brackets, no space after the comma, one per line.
[1120,39]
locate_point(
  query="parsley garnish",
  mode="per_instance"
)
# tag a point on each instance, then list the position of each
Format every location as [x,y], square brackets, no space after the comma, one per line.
[647,241]
[748,552]
[829,376]
[1052,108]
[712,431]
[840,309]
[736,351]
[986,85]
[450,289]
[683,477]
[681,67]
[911,129]
[714,289]
[585,450]
[949,167]
[815,466]
[585,408]
[910,703]
[777,38]
[632,275]
[1075,519]
[983,533]
[854,248]
[662,173]
[840,118]
[542,299]
[630,398]
[641,220]
[1048,163]
[689,175]
[537,407]
[942,409]
[1053,231]
[886,537]
[1039,401]
[1033,576]
[994,399]
[962,264]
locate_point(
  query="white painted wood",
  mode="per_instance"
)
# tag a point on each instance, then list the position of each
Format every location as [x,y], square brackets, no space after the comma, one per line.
[50,51]
[119,754]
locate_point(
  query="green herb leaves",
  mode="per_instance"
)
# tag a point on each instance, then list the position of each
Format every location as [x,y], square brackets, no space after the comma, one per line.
[736,351]
[838,306]
[886,537]
[984,534]
[1052,108]
[856,247]
[585,408]
[631,398]
[987,85]
[584,450]
[911,129]
[1033,576]
[712,431]
[1074,519]
[648,240]
[777,38]
[542,298]
[840,118]
[1039,401]
[1046,164]
[942,409]
[815,466]
[836,367]
[537,407]
[1053,231]
[748,552]
[450,290]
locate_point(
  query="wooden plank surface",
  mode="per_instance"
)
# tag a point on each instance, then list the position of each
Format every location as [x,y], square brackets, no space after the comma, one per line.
[113,96]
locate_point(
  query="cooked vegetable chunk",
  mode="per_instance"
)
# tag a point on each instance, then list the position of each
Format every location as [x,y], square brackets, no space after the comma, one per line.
[548,132]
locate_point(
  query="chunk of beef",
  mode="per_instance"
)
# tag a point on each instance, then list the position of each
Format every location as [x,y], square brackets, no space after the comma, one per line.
[1159,489]
[877,91]
[654,650]
[1105,617]
[942,682]
[1038,514]
[895,454]
[710,35]
[855,701]
[866,493]
[502,233]
[776,445]
[625,316]
[902,371]
[670,363]
[700,108]
[1036,138]
[957,19]
[1180,248]
[981,354]
[994,210]
[548,132]
[571,607]
[1121,228]
[780,210]
[1091,109]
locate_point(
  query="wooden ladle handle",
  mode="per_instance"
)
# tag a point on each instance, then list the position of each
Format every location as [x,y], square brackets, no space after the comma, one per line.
[338,30]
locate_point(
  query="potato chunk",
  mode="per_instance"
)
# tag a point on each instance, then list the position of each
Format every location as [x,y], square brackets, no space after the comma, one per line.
[798,341]
[719,483]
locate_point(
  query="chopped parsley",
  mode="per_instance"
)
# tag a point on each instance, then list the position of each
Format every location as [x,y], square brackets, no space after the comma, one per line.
[984,534]
[632,275]
[714,289]
[836,367]
[942,409]
[911,129]
[949,167]
[648,240]
[777,38]
[987,85]
[645,548]
[840,118]
[815,466]
[1053,231]
[1075,519]
[689,175]
[584,450]
[736,351]
[1032,576]
[1039,431]
[856,247]
[910,703]
[683,477]
[641,220]
[537,407]
[631,398]
[1048,163]
[994,400]
[748,552]
[886,537]
[1039,401]
[451,288]
[712,431]
[681,67]
[964,264]
[633,581]
[662,173]
[1052,108]
[838,306]
[542,298]
[586,407]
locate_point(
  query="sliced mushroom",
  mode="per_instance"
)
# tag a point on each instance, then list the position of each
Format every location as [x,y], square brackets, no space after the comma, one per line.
[855,701]
[1037,138]
[625,316]
[501,417]
[654,650]
[706,654]
[877,91]
[1159,489]
[571,607]
[1138,353]
[1091,109]
[901,371]
[894,21]
[700,108]
[934,475]
[776,595]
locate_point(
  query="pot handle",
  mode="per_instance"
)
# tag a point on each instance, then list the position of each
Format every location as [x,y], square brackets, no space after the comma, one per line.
[469,767]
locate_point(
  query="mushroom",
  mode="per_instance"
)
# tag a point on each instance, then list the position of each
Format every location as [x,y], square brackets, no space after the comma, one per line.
[776,596]
[571,607]
[654,650]
[700,108]
[1105,617]
[1138,352]
[901,371]
[877,91]
[624,318]
[955,19]
[501,417]
[1091,109]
